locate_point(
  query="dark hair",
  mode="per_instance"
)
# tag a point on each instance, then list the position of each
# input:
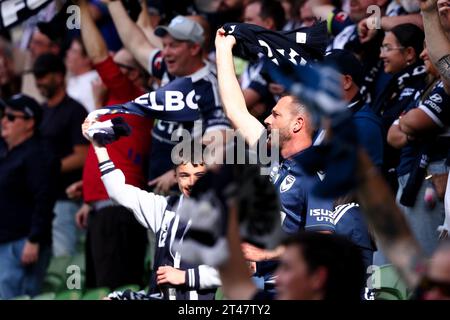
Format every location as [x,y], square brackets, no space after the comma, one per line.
[341,258]
[48,63]
[409,35]
[190,152]
[80,41]
[272,9]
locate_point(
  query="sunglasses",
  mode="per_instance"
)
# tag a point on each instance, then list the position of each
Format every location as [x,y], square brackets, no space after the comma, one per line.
[12,117]
[428,284]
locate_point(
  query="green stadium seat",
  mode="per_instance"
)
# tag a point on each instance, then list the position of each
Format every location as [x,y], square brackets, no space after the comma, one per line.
[96,294]
[45,296]
[24,297]
[391,286]
[219,294]
[53,283]
[132,287]
[58,266]
[69,295]
[79,260]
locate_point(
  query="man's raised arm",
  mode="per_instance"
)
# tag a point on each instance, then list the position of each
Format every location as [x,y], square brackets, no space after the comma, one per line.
[438,43]
[230,92]
[131,35]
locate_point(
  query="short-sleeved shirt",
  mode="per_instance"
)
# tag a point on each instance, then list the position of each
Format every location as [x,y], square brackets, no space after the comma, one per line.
[61,129]
[212,116]
[129,154]
[301,210]
[437,106]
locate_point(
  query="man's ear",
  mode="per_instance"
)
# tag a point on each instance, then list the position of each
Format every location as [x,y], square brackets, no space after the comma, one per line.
[298,124]
[319,279]
[195,49]
[347,82]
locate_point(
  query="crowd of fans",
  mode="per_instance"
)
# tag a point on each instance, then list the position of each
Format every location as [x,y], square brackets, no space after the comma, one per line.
[58,184]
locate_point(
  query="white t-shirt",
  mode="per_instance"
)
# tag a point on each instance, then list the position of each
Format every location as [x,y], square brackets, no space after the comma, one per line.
[80,89]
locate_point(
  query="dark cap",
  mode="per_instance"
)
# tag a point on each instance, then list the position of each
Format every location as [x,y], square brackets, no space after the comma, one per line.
[346,63]
[27,105]
[52,30]
[48,63]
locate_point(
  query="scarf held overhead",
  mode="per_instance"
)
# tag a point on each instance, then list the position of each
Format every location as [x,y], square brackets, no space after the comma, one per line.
[298,46]
[177,101]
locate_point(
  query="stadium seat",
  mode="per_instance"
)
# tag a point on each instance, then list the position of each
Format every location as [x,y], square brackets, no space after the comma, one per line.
[58,266]
[69,295]
[132,287]
[53,283]
[45,296]
[219,294]
[389,285]
[24,297]
[79,260]
[96,294]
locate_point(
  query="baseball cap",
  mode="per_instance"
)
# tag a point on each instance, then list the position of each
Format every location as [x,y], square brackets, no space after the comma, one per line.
[182,28]
[346,63]
[27,105]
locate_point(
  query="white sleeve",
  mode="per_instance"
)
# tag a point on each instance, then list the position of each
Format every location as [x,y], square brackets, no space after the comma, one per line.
[202,277]
[148,208]
[447,206]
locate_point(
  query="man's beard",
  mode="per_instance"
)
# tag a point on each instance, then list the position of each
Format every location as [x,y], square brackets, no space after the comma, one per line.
[48,91]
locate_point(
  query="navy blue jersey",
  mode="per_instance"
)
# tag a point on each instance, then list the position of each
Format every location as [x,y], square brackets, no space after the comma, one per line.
[212,116]
[437,106]
[338,21]
[301,210]
[252,78]
[350,223]
[370,133]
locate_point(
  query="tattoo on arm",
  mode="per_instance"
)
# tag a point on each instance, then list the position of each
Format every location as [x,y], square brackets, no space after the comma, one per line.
[443,66]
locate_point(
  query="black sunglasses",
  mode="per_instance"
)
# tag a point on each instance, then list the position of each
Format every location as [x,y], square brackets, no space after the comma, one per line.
[12,117]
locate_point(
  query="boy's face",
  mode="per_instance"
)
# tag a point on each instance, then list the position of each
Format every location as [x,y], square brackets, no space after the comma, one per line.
[187,175]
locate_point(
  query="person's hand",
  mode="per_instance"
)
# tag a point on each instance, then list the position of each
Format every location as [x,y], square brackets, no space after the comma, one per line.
[163,183]
[366,29]
[428,5]
[81,216]
[170,275]
[88,122]
[253,253]
[99,91]
[30,253]
[224,42]
[75,190]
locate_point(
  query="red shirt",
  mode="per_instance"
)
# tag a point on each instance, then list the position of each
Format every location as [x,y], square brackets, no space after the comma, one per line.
[129,154]
[120,88]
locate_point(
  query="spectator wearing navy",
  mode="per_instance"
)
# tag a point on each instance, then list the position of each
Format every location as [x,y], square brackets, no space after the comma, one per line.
[60,127]
[28,174]
[368,125]
[181,56]
[300,209]
[400,53]
[420,199]
[173,278]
